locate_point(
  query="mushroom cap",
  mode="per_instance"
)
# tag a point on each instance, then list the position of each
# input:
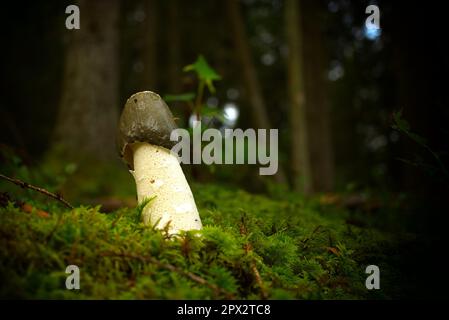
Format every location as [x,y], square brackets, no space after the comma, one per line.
[145,118]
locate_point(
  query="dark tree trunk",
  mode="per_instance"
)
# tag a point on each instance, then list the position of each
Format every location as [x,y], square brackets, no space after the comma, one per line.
[312,155]
[317,106]
[88,114]
[300,158]
[174,47]
[257,103]
[149,38]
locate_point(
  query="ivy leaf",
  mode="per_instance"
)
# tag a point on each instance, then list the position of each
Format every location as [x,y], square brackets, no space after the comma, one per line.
[184,97]
[204,72]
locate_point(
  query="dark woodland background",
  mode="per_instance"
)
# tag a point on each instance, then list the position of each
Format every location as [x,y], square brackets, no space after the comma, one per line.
[62,92]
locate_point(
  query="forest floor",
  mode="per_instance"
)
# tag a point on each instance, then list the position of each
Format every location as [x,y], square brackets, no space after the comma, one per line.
[252,247]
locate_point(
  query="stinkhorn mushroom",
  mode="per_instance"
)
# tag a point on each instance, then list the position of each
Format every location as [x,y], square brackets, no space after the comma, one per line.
[144,144]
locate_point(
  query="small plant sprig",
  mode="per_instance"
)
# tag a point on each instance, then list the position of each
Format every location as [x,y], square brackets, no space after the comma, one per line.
[402,126]
[206,76]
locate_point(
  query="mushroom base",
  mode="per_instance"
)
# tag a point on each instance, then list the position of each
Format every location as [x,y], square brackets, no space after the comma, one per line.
[158,174]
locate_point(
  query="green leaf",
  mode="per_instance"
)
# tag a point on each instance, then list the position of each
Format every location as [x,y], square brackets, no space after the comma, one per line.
[400,123]
[213,112]
[417,138]
[204,72]
[184,97]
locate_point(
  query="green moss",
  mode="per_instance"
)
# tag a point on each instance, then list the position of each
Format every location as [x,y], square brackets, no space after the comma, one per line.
[300,250]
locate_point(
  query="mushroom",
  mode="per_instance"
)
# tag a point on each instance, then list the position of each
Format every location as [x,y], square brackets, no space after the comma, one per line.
[144,144]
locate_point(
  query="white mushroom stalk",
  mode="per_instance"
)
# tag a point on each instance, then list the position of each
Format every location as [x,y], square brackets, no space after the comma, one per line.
[144,144]
[158,174]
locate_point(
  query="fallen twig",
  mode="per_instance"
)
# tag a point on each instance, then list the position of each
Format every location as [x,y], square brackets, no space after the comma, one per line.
[24,184]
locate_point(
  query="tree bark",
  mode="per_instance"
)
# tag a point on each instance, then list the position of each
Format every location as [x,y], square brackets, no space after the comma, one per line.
[174,47]
[258,107]
[149,39]
[88,114]
[302,176]
[317,106]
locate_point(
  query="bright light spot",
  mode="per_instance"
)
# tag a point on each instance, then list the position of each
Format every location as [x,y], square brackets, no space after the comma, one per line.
[372,33]
[192,119]
[231,114]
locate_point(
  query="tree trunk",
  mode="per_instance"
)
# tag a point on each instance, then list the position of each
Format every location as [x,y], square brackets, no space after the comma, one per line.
[317,107]
[88,115]
[259,110]
[174,47]
[148,37]
[302,179]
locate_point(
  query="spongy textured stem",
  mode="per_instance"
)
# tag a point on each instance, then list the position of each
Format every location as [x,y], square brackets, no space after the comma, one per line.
[157,173]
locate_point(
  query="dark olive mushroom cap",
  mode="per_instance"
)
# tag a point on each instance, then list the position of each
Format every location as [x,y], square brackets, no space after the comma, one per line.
[145,118]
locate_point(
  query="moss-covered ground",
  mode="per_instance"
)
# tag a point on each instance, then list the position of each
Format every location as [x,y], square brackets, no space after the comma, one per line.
[252,247]
[275,245]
